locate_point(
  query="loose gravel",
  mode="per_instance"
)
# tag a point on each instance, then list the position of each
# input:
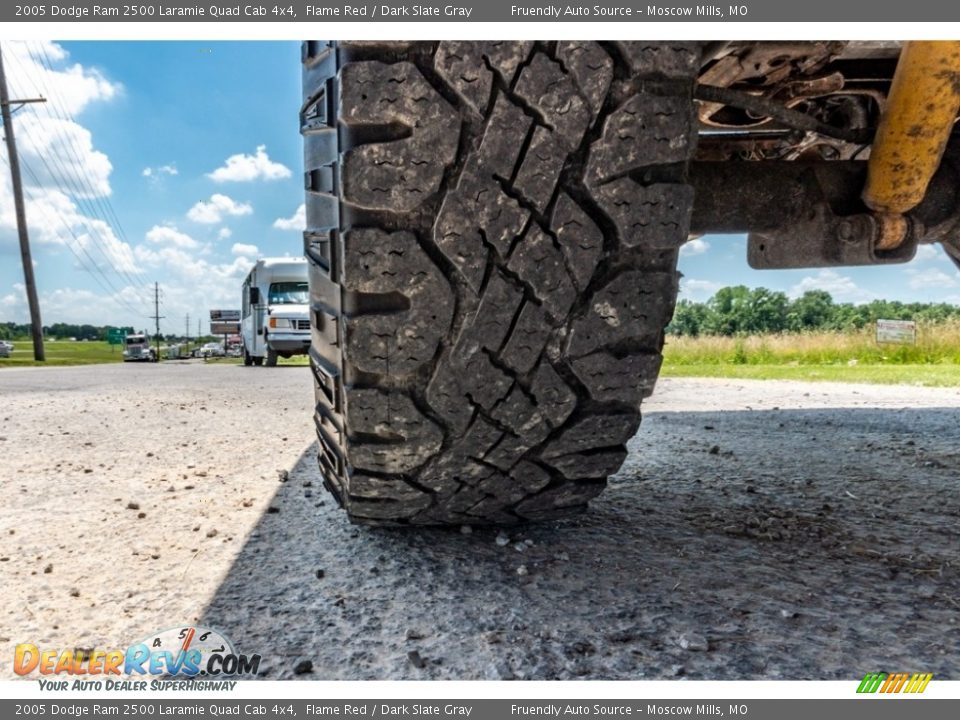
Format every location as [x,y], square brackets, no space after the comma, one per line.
[758,530]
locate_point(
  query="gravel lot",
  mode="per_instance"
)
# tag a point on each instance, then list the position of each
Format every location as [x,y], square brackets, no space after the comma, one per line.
[758,530]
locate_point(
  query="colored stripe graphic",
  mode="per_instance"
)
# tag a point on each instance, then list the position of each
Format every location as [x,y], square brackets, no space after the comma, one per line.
[870,682]
[895,683]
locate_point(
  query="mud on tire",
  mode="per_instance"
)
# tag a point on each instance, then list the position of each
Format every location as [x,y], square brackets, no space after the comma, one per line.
[493,231]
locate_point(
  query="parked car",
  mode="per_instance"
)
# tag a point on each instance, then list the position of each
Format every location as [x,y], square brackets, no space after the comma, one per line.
[211,350]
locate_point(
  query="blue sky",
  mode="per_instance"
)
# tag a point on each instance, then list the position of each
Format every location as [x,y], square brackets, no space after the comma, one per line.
[194,148]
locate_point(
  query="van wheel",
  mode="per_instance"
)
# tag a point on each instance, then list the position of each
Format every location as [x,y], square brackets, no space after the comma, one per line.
[493,242]
[271,358]
[247,358]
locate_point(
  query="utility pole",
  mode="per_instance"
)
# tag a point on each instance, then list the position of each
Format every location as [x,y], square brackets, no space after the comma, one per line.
[36,325]
[157,317]
[187,326]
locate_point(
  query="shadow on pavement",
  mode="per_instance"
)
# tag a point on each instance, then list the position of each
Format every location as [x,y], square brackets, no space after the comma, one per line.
[793,544]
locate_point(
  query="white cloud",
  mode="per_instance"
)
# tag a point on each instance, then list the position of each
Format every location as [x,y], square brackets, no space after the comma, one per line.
[931,278]
[55,221]
[698,290]
[61,165]
[841,287]
[297,221]
[168,235]
[696,246]
[55,149]
[245,249]
[161,170]
[213,210]
[245,168]
[224,233]
[73,86]
[927,252]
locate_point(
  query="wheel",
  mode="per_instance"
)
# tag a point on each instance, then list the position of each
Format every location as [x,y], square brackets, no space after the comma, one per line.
[271,358]
[258,361]
[493,247]
[247,358]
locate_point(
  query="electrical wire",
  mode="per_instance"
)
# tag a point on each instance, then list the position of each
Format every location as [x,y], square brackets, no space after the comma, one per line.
[80,187]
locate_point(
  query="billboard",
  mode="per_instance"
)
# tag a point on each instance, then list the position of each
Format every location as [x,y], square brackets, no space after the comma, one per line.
[225,316]
[897,331]
[224,328]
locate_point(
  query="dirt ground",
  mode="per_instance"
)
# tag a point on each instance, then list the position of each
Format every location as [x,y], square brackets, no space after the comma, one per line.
[772,530]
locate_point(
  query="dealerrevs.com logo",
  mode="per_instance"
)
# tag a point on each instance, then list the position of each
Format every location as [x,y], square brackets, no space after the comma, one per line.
[185,652]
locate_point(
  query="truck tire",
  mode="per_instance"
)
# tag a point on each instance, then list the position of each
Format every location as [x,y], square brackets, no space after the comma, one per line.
[271,358]
[493,231]
[247,357]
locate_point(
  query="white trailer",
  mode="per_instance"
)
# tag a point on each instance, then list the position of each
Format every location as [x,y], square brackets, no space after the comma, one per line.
[275,311]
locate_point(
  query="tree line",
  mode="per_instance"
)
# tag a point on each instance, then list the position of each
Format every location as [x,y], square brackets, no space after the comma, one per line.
[65,331]
[739,310]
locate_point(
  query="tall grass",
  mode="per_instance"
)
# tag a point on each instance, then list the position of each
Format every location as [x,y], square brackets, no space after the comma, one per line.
[936,344]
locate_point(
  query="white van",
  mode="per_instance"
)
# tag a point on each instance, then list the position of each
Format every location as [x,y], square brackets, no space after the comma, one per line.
[275,314]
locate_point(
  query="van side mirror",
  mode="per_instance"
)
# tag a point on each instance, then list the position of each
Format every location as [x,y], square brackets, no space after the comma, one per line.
[254,296]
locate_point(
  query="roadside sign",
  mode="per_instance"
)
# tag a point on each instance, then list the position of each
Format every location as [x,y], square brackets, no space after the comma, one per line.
[115,336]
[224,328]
[225,316]
[897,331]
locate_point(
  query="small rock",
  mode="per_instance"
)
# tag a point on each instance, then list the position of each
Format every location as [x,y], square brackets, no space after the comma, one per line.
[715,450]
[212,532]
[201,473]
[562,557]
[414,634]
[273,509]
[133,506]
[283,475]
[466,530]
[519,547]
[503,539]
[522,570]
[74,592]
[48,569]
[321,573]
[418,662]
[693,642]
[788,614]
[302,667]
[141,515]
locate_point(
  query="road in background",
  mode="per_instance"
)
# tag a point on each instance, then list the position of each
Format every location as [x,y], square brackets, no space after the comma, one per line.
[757,530]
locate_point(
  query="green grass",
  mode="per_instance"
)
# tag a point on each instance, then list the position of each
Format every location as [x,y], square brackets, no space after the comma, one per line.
[66,352]
[63,352]
[923,375]
[853,356]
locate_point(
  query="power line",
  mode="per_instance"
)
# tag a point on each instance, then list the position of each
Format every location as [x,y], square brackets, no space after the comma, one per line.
[112,293]
[80,193]
[101,201]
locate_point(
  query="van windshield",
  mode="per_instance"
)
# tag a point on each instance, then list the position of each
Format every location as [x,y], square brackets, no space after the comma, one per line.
[288,293]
